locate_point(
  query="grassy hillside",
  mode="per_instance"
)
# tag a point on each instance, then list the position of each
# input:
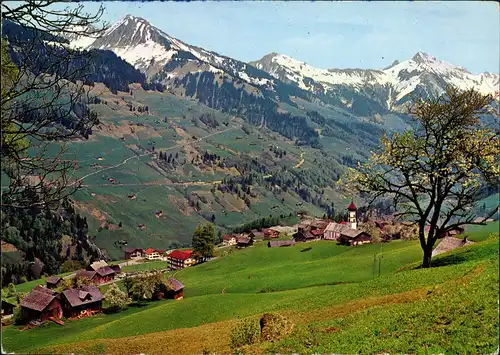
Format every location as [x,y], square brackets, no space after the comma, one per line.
[329,292]
[187,191]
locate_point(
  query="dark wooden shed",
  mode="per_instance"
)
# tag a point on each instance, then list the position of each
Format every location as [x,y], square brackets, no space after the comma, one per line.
[76,301]
[40,304]
[176,288]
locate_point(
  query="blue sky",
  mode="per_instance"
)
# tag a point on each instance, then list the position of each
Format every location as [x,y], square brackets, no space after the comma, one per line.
[330,34]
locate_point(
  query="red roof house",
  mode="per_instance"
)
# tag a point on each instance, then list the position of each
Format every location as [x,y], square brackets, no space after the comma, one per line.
[179,259]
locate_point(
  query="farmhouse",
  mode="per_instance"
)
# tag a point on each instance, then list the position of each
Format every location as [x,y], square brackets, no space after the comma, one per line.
[40,304]
[244,242]
[176,288]
[354,237]
[179,259]
[116,268]
[153,254]
[79,301]
[280,243]
[229,239]
[256,234]
[270,233]
[307,236]
[334,230]
[54,281]
[133,253]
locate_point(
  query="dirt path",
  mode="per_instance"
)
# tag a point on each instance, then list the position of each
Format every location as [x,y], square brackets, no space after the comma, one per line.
[149,153]
[300,162]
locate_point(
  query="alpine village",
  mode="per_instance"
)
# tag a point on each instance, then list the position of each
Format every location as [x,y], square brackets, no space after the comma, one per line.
[162,198]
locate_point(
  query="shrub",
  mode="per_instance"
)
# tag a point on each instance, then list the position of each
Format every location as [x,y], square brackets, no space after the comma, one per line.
[116,298]
[244,333]
[16,316]
[274,326]
[11,290]
[70,265]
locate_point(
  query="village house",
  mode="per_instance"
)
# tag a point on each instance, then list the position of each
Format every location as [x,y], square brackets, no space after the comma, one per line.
[244,242]
[54,281]
[153,254]
[116,268]
[270,233]
[280,243]
[228,239]
[256,234]
[354,237]
[133,253]
[176,288]
[81,301]
[100,276]
[347,232]
[40,305]
[179,259]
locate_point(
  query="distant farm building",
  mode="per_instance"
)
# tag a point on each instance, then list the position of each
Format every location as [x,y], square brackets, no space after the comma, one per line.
[132,253]
[40,305]
[176,289]
[228,239]
[54,281]
[153,254]
[179,259]
[280,243]
[159,213]
[244,242]
[270,233]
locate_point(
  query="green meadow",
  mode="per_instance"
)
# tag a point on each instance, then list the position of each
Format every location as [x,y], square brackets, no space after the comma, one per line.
[333,293]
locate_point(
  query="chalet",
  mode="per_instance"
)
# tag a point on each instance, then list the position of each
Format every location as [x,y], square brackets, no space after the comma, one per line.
[77,301]
[7,308]
[244,242]
[85,274]
[179,259]
[176,288]
[334,230]
[153,254]
[133,253]
[270,233]
[354,237]
[256,234]
[40,304]
[306,236]
[116,268]
[229,239]
[54,281]
[280,243]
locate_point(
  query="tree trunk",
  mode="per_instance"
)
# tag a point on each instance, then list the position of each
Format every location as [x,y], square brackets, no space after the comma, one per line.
[426,263]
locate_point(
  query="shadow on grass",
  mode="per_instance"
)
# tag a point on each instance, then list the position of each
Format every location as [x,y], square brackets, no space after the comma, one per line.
[305,249]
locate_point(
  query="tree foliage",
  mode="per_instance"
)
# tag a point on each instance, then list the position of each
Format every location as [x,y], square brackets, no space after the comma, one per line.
[44,99]
[115,297]
[204,241]
[435,170]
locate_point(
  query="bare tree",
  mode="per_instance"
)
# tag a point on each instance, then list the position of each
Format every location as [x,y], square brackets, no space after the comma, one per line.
[435,170]
[44,99]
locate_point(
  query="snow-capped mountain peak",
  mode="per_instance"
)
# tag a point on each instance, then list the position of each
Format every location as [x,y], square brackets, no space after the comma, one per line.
[423,73]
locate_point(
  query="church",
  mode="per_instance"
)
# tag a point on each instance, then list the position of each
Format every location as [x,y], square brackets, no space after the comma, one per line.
[347,232]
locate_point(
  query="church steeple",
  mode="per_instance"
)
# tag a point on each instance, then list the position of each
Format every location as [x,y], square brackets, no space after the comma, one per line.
[352,215]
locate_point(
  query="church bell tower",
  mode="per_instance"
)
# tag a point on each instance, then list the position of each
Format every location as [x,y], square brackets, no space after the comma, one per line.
[352,215]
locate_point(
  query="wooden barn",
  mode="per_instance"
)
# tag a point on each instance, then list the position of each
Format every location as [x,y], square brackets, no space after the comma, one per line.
[244,242]
[116,268]
[104,274]
[54,281]
[40,304]
[96,265]
[280,243]
[354,237]
[176,289]
[81,301]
